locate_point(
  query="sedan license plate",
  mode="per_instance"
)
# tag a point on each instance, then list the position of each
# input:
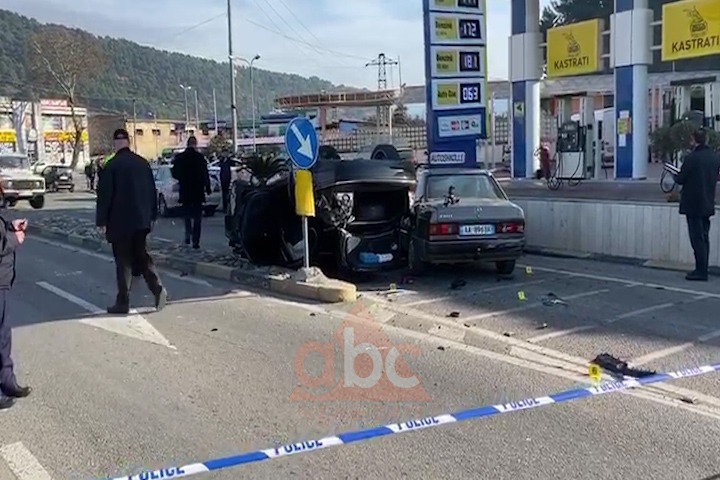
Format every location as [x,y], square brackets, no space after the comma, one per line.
[477,230]
[63,177]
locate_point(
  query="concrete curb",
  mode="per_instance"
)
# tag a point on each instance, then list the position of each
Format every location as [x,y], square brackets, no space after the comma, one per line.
[638,262]
[326,291]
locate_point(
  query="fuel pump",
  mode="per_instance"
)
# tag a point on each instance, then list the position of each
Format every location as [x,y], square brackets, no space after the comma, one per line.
[575,152]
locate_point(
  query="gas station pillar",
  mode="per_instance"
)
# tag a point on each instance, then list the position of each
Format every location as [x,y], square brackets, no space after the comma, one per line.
[525,69]
[631,39]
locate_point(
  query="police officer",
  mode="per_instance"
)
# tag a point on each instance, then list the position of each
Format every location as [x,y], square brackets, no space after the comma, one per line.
[126,213]
[12,235]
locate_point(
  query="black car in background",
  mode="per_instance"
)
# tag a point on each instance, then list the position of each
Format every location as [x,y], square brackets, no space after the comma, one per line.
[58,177]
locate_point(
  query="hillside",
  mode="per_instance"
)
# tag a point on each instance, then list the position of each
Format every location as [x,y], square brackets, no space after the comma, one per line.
[150,76]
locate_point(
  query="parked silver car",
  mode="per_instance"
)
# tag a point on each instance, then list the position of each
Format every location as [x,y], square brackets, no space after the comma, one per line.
[168,192]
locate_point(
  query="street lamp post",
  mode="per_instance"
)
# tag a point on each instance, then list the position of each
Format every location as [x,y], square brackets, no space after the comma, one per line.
[187,109]
[250,64]
[233,93]
[197,110]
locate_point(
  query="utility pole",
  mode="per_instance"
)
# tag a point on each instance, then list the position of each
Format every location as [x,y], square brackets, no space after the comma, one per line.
[215,112]
[134,125]
[382,61]
[233,92]
[197,111]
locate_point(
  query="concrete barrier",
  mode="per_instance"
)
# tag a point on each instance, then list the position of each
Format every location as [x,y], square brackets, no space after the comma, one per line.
[653,233]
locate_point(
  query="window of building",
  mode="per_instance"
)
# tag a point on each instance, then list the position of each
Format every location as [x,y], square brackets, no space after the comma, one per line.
[156,132]
[139,132]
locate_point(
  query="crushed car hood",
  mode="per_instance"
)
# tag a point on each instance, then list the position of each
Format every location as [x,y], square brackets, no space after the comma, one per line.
[328,174]
[472,209]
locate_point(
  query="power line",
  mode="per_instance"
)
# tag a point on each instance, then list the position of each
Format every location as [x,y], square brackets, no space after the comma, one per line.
[303,42]
[292,29]
[297,19]
[196,26]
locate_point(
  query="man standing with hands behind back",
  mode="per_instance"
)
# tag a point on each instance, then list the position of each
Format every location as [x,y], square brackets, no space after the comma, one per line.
[698,177]
[126,213]
[12,235]
[191,171]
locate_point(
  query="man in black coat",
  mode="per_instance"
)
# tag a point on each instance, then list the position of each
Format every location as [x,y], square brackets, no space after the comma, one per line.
[698,177]
[191,171]
[225,180]
[12,235]
[126,213]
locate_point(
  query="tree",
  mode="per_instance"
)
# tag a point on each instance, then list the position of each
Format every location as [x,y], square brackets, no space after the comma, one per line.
[65,60]
[565,12]
[219,145]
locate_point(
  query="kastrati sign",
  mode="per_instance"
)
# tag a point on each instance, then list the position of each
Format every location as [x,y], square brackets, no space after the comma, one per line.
[574,49]
[690,29]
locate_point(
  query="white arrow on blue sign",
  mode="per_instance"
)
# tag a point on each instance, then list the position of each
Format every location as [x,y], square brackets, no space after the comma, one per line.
[301,142]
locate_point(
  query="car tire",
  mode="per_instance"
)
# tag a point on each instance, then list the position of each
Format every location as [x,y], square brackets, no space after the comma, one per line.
[163,209]
[72,188]
[416,265]
[506,267]
[37,202]
[210,211]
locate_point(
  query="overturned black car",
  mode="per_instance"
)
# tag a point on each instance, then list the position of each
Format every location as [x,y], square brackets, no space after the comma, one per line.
[360,207]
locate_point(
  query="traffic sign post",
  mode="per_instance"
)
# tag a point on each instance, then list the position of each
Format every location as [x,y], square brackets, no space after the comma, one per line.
[456,75]
[302,145]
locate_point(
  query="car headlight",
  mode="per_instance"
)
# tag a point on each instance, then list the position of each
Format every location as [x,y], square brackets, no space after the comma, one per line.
[8,183]
[38,184]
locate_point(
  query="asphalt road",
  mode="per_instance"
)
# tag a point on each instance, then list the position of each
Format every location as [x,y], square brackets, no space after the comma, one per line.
[216,373]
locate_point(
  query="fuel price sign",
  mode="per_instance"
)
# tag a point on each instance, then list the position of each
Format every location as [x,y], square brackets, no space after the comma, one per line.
[458,61]
[457,29]
[458,94]
[458,6]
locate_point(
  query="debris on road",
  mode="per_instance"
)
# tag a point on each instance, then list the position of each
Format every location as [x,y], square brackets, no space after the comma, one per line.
[551,299]
[454,314]
[618,367]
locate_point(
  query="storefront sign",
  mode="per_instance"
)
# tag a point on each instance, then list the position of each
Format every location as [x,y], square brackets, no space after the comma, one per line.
[574,49]
[7,136]
[690,29]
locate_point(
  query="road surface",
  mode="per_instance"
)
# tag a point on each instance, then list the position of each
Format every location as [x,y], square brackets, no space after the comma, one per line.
[216,373]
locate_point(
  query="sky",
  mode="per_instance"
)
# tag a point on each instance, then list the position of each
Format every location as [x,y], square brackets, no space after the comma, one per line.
[329,39]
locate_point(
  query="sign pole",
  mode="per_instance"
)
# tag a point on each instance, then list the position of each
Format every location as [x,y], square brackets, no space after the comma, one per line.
[302,145]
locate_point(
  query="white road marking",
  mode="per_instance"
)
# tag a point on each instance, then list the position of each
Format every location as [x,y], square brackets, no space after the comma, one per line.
[666,352]
[539,364]
[474,292]
[633,313]
[22,463]
[109,258]
[132,325]
[533,305]
[626,282]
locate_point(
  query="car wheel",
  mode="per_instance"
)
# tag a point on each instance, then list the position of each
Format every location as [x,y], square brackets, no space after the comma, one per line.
[415,263]
[162,207]
[210,211]
[72,188]
[37,202]
[506,267]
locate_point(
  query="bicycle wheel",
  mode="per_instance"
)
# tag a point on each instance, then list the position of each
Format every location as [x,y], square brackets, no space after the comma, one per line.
[667,182]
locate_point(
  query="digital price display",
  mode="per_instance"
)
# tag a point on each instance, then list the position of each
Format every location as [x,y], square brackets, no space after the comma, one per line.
[470,62]
[470,92]
[469,29]
[468,3]
[457,29]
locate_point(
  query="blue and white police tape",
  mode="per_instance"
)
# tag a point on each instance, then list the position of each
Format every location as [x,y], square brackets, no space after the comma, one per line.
[362,435]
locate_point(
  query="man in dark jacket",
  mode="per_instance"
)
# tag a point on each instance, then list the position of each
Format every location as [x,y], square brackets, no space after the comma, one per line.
[698,177]
[225,180]
[126,213]
[191,171]
[12,235]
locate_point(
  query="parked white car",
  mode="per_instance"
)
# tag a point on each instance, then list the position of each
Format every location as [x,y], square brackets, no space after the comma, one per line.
[168,192]
[214,168]
[19,182]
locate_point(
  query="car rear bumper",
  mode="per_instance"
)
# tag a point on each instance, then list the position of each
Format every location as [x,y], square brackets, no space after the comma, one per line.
[470,250]
[14,195]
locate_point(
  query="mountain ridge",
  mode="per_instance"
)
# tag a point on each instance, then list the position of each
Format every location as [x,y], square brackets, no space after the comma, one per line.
[149,76]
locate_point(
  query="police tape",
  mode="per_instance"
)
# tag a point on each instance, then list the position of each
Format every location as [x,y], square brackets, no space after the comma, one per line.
[412,425]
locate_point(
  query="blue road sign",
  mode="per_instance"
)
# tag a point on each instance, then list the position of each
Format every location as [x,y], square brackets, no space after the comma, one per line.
[301,143]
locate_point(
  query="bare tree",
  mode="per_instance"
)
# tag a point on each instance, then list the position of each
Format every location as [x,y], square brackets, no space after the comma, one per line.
[65,60]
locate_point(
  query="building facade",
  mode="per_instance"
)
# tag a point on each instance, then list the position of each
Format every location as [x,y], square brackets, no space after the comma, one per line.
[43,130]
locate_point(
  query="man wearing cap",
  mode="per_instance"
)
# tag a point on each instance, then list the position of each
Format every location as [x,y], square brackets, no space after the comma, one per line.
[126,213]
[191,171]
